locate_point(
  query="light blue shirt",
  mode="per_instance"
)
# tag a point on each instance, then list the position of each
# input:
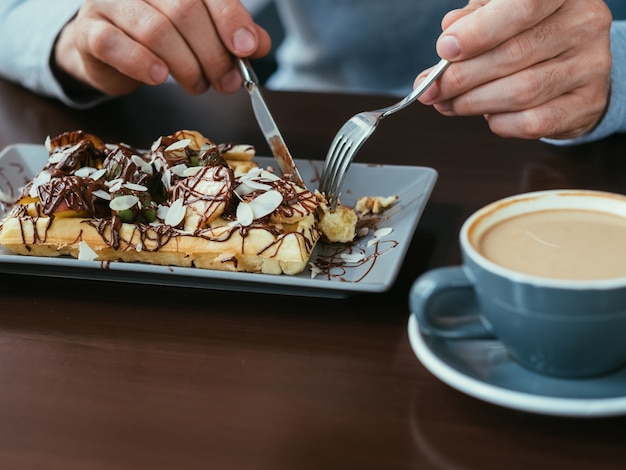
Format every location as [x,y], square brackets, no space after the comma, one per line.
[364,46]
[28,30]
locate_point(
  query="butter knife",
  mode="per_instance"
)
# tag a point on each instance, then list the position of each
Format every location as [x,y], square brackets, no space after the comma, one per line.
[266,123]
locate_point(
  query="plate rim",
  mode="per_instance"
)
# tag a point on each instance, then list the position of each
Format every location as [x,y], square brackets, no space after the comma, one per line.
[507,398]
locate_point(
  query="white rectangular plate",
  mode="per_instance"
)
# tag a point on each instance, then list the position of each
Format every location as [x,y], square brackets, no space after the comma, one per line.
[375,273]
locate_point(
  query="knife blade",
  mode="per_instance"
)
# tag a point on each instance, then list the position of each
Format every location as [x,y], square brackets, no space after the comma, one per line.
[267,124]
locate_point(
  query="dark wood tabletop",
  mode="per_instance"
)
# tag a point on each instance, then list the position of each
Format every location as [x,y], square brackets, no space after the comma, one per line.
[97,375]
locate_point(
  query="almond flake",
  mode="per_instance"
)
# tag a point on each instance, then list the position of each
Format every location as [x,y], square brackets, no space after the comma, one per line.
[121,203]
[62,155]
[266,203]
[143,165]
[383,232]
[254,184]
[85,253]
[102,194]
[243,189]
[176,213]
[116,186]
[156,144]
[314,270]
[158,163]
[41,178]
[245,215]
[181,144]
[352,257]
[162,211]
[179,170]
[268,175]
[166,179]
[252,173]
[134,187]
[96,175]
[85,171]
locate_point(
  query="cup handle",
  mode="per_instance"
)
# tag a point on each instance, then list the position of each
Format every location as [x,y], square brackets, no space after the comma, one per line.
[445,304]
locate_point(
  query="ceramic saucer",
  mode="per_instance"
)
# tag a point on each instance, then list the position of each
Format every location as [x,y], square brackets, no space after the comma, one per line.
[484,370]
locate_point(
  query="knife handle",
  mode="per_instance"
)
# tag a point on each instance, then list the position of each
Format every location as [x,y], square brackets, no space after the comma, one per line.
[247,73]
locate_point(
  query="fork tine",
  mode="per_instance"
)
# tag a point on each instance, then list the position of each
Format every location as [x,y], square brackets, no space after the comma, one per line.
[354,141]
[357,138]
[343,150]
[330,165]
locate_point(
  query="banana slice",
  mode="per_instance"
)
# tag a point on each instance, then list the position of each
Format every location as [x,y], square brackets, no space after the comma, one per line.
[206,193]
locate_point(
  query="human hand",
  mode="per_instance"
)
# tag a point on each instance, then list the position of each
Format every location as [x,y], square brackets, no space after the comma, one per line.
[115,47]
[533,68]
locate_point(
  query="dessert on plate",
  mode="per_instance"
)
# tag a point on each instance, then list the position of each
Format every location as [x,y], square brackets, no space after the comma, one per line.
[186,201]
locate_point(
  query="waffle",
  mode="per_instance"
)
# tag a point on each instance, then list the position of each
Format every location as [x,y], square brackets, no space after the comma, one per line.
[186,201]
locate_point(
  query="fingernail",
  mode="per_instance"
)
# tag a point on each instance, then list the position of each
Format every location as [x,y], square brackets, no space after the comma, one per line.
[244,41]
[448,47]
[230,82]
[158,73]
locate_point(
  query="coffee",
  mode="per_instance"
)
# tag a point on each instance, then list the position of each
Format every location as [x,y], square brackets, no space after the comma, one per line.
[562,244]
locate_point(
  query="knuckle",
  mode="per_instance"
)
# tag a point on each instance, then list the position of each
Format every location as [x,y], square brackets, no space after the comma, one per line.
[454,78]
[151,28]
[515,50]
[182,8]
[527,124]
[99,39]
[598,14]
[530,88]
[535,125]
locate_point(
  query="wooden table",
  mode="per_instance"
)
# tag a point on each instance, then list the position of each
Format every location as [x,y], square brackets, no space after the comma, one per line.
[107,375]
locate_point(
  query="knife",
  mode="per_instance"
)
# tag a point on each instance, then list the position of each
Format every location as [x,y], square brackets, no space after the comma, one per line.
[266,123]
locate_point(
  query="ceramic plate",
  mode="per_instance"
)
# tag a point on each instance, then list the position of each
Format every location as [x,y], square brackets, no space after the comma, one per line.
[484,370]
[413,185]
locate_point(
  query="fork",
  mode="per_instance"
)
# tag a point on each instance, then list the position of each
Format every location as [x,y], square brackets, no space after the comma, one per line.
[356,131]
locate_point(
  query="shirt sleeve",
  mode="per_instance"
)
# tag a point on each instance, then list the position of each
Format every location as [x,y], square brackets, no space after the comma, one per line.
[28,31]
[614,121]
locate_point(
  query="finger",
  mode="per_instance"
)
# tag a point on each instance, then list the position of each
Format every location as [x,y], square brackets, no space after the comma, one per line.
[152,29]
[526,89]
[491,24]
[237,29]
[112,62]
[552,120]
[241,37]
[200,26]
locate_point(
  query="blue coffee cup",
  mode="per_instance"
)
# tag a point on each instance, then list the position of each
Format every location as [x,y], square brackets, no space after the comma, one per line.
[567,325]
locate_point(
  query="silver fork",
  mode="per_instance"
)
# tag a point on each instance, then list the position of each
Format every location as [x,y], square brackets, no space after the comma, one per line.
[356,131]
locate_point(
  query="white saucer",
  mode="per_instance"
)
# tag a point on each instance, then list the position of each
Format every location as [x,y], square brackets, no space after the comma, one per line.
[484,370]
